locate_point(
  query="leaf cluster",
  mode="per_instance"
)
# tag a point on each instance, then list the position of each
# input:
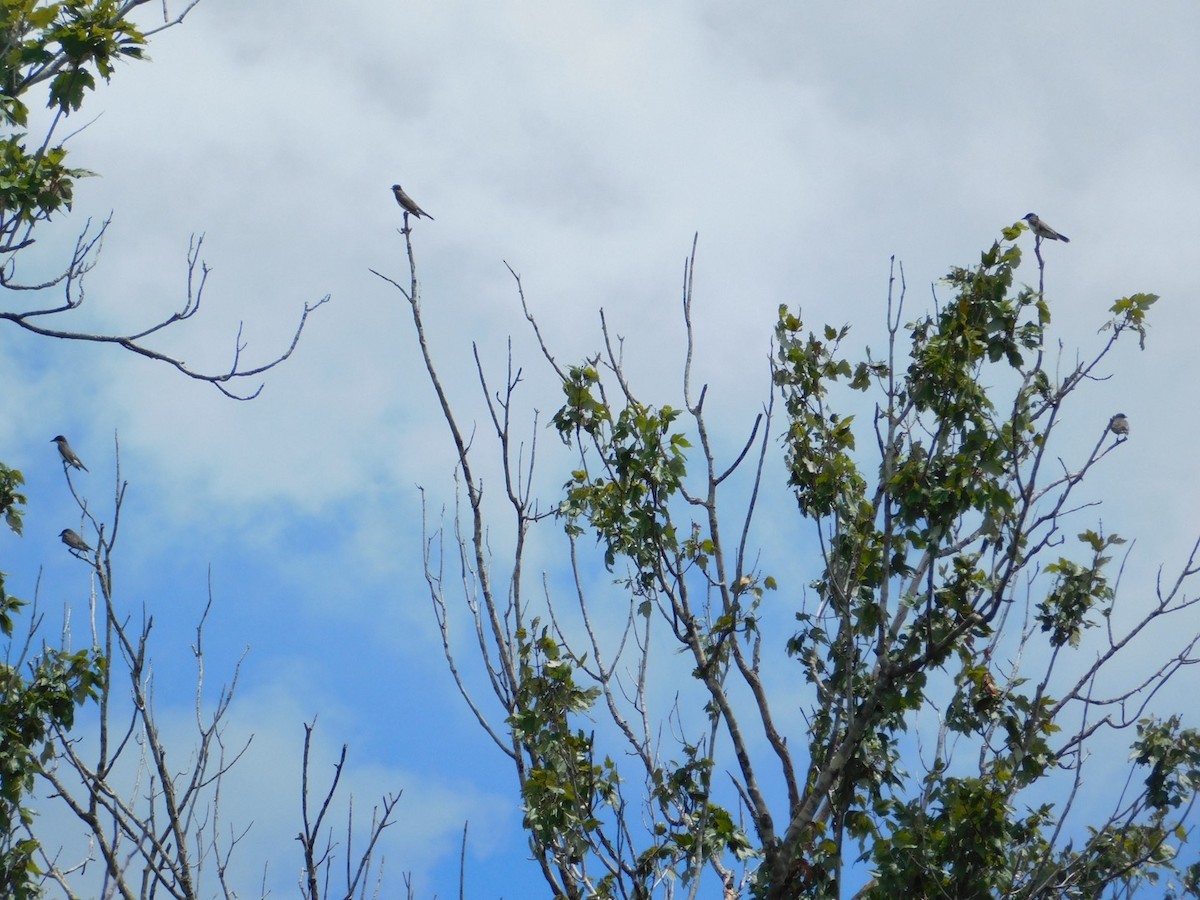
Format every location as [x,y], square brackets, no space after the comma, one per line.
[564,786]
[31,708]
[66,45]
[641,466]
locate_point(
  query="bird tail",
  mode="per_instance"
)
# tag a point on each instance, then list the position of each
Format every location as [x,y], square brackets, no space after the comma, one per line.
[1064,239]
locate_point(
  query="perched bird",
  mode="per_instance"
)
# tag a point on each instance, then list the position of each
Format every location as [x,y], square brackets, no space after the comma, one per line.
[407,204]
[74,541]
[1119,425]
[68,455]
[1042,230]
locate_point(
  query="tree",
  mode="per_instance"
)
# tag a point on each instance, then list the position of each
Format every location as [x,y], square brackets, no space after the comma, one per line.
[30,710]
[914,717]
[151,812]
[63,46]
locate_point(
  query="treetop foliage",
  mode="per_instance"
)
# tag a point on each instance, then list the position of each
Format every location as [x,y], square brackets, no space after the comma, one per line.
[952,584]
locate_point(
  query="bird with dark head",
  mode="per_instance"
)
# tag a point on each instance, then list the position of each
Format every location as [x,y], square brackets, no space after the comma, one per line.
[68,455]
[1119,425]
[1042,230]
[74,541]
[407,203]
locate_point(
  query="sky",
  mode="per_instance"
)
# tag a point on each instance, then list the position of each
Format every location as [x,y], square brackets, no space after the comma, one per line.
[584,144]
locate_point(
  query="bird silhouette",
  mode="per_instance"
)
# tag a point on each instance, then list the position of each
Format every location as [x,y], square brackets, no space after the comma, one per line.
[1119,425]
[1042,230]
[407,204]
[68,455]
[74,541]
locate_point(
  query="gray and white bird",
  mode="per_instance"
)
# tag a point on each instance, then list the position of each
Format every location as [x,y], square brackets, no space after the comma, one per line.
[68,455]
[1042,230]
[74,541]
[1119,425]
[407,204]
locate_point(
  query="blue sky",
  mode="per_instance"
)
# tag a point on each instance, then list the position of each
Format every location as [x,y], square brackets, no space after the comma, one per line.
[584,144]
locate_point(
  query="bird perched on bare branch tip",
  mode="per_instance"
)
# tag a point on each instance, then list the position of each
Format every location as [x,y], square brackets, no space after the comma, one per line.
[1042,230]
[74,541]
[1119,425]
[68,455]
[407,204]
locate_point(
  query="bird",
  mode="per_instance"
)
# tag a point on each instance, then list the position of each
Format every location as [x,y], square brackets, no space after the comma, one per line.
[74,541]
[1042,230]
[1119,425]
[67,454]
[407,204]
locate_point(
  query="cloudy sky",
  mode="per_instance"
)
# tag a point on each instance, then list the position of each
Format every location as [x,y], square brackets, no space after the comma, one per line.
[583,143]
